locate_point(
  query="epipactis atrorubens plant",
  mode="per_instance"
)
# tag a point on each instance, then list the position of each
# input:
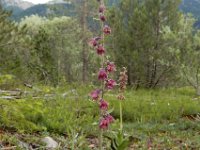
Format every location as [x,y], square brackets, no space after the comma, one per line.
[106,69]
[120,141]
[122,87]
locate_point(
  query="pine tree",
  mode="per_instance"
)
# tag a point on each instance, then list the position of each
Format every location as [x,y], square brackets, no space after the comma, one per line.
[8,40]
[138,38]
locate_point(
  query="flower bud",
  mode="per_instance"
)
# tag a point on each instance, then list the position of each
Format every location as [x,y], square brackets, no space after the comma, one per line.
[94,41]
[102,9]
[109,118]
[107,30]
[100,50]
[110,84]
[95,94]
[104,123]
[103,105]
[102,17]
[102,74]
[110,67]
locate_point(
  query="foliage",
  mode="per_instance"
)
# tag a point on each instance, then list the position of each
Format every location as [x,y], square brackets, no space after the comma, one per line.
[118,141]
[30,115]
[138,39]
[6,79]
[9,40]
[185,49]
[147,37]
[55,49]
[154,106]
[140,106]
[160,113]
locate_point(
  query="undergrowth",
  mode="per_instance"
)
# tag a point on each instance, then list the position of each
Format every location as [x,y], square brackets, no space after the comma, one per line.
[68,110]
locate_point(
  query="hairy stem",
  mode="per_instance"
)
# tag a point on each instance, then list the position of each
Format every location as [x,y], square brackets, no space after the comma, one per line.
[121,116]
[101,140]
[102,85]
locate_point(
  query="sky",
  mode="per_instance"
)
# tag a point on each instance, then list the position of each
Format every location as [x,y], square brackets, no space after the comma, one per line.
[37,1]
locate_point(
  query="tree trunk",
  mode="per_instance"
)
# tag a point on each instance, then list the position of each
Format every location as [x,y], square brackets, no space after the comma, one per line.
[198,91]
[84,51]
[153,74]
[148,71]
[129,75]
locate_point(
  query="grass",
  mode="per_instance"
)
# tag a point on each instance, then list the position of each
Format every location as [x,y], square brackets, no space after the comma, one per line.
[158,116]
[157,105]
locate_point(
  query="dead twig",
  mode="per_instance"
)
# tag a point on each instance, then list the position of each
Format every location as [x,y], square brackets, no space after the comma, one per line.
[9,148]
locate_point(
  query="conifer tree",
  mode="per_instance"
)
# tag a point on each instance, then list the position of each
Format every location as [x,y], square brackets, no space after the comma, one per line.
[8,39]
[138,39]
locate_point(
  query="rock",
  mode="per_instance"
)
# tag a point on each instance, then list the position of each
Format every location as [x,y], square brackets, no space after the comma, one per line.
[49,95]
[11,93]
[23,145]
[50,143]
[91,146]
[34,146]
[64,95]
[7,97]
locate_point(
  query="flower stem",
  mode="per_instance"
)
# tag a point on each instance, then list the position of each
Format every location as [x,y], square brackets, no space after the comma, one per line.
[102,86]
[101,139]
[121,116]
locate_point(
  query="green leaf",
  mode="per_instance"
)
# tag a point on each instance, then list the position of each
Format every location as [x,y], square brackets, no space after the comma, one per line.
[123,145]
[110,111]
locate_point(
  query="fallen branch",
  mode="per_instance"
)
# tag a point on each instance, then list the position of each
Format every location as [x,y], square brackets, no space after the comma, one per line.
[9,148]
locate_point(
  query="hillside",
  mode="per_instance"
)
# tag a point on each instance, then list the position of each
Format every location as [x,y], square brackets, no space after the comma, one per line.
[58,9]
[193,7]
[22,8]
[16,6]
[16,3]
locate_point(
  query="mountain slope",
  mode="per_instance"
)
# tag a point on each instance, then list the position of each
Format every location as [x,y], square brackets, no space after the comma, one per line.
[16,3]
[193,7]
[16,6]
[59,7]
[44,10]
[56,7]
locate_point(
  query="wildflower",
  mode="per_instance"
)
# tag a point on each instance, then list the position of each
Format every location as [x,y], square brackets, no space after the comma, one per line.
[100,50]
[105,117]
[121,97]
[95,94]
[103,105]
[104,123]
[107,29]
[102,17]
[123,79]
[122,83]
[102,74]
[110,67]
[110,84]
[102,8]
[94,41]
[109,118]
